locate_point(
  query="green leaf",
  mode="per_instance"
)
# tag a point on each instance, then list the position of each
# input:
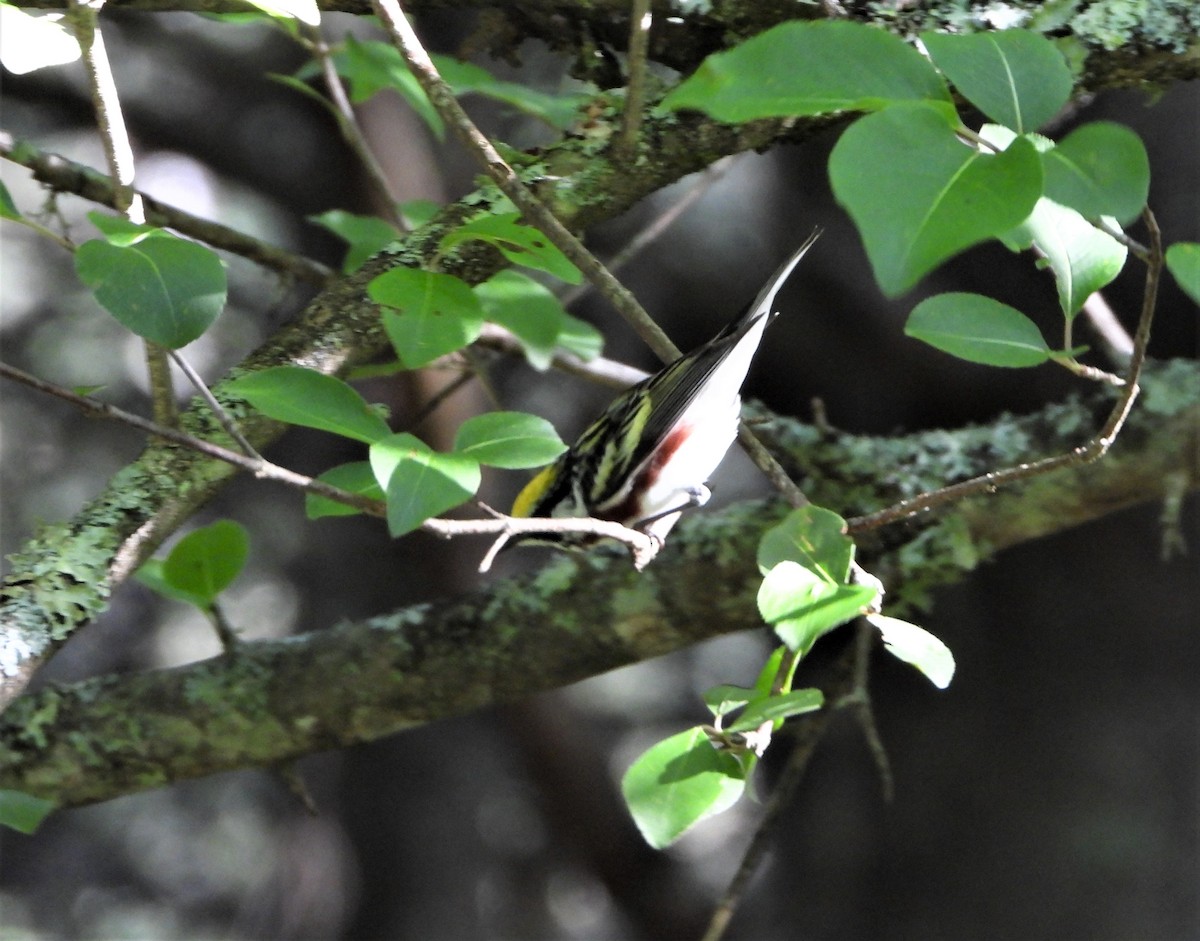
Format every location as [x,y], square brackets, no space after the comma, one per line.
[29,42]
[519,242]
[8,209]
[151,574]
[777,708]
[814,537]
[536,318]
[417,212]
[1083,258]
[1100,169]
[465,78]
[117,230]
[804,68]
[366,235]
[356,477]
[919,195]
[724,699]
[306,11]
[163,288]
[205,561]
[679,782]
[371,67]
[1183,261]
[978,329]
[23,812]
[511,440]
[419,482]
[426,314]
[1015,77]
[802,606]
[917,646]
[301,396]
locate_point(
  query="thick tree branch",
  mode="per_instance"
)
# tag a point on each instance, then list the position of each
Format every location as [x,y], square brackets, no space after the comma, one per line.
[581,615]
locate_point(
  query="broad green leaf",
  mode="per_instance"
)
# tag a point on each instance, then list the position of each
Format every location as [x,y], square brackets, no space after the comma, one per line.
[117,230]
[801,606]
[8,209]
[917,646]
[205,561]
[1015,77]
[919,195]
[679,782]
[419,482]
[151,574]
[306,11]
[426,314]
[1100,169]
[814,537]
[978,329]
[1183,261]
[724,699]
[519,242]
[1082,257]
[356,477]
[776,708]
[511,440]
[301,396]
[29,42]
[535,317]
[417,212]
[370,67]
[164,288]
[365,235]
[803,68]
[23,812]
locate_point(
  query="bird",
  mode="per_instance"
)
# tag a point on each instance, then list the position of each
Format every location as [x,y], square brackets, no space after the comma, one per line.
[648,457]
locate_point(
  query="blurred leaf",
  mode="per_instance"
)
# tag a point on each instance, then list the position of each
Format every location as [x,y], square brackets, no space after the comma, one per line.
[427,314]
[777,708]
[8,209]
[371,67]
[301,396]
[511,440]
[151,574]
[978,329]
[1100,169]
[724,699]
[467,78]
[519,242]
[163,288]
[306,11]
[420,483]
[1014,76]
[23,812]
[802,606]
[679,782]
[917,646]
[29,42]
[804,68]
[356,477]
[919,195]
[365,235]
[536,318]
[205,561]
[1183,261]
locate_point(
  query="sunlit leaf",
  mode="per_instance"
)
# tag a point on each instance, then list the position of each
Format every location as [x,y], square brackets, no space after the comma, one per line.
[917,646]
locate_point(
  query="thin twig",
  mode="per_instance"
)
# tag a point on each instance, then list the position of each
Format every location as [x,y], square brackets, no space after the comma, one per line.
[640,19]
[351,133]
[67,176]
[535,212]
[1093,450]
[218,409]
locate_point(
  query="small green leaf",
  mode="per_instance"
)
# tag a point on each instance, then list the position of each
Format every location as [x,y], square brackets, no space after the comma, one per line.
[777,708]
[678,783]
[301,396]
[979,330]
[371,67]
[1016,77]
[205,561]
[417,212]
[814,537]
[724,699]
[427,314]
[802,606]
[306,11]
[465,78]
[803,68]
[165,289]
[356,477]
[919,195]
[151,574]
[29,42]
[536,318]
[1100,169]
[419,482]
[23,812]
[8,209]
[917,646]
[1183,261]
[519,242]
[511,440]
[365,235]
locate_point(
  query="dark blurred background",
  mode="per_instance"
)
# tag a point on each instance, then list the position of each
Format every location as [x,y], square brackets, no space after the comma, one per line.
[1049,793]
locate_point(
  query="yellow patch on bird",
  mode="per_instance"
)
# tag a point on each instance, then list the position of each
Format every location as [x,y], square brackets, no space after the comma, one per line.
[532,492]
